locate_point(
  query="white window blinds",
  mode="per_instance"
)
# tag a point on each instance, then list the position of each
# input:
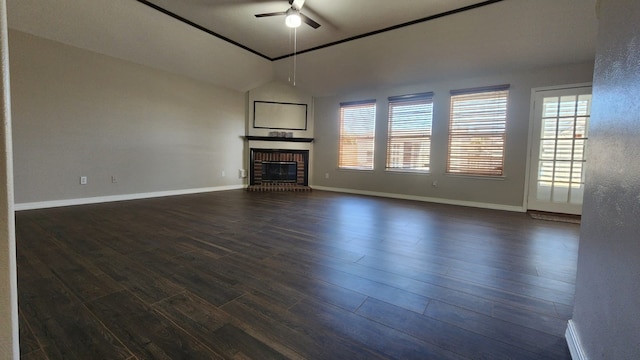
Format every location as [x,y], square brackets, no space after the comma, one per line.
[409,137]
[357,135]
[477,131]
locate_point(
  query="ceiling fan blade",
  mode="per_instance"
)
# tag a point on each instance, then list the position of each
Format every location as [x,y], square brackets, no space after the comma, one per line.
[297,4]
[272,14]
[307,20]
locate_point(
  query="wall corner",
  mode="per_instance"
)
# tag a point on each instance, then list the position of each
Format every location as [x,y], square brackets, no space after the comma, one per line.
[573,341]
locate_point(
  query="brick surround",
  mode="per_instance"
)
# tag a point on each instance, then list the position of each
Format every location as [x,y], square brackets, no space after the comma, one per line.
[300,157]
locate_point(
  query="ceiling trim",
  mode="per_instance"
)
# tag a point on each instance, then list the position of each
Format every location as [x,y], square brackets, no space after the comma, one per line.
[375,32]
[394,27]
[202,28]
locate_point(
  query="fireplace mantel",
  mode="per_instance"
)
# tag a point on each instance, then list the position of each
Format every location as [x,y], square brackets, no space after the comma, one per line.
[279,138]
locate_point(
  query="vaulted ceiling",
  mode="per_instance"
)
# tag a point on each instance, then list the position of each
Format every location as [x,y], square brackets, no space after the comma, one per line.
[390,42]
[338,19]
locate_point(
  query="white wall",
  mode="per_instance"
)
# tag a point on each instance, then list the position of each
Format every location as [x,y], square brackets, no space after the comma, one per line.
[506,192]
[606,315]
[79,113]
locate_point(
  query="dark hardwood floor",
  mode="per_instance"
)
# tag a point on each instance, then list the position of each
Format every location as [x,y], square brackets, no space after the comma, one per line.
[239,275]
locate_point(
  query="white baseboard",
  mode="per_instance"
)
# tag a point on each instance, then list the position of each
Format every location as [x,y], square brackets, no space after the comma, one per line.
[112,198]
[573,341]
[423,198]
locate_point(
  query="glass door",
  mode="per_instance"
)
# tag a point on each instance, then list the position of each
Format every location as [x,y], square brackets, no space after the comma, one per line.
[560,135]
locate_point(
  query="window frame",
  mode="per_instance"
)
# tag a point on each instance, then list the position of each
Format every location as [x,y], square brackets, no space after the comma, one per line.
[365,123]
[486,122]
[420,136]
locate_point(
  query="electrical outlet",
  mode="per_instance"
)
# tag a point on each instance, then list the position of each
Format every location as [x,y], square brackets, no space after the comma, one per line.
[242,173]
[223,174]
[434,183]
[83,180]
[114,179]
[326,175]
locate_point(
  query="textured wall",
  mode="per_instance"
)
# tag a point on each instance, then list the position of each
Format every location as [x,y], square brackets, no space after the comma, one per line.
[607,305]
[78,113]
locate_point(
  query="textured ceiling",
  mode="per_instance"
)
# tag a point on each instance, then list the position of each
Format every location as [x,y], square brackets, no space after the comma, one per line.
[497,38]
[339,19]
[512,36]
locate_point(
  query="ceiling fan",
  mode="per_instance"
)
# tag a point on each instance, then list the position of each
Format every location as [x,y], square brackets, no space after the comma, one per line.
[294,17]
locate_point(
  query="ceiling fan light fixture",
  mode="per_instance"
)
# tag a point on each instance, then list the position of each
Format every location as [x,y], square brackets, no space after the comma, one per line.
[293,19]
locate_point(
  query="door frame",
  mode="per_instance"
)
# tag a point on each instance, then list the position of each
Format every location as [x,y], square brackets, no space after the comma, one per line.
[532,137]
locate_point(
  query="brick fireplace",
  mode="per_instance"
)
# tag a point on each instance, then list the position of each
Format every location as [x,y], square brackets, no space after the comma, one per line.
[279,170]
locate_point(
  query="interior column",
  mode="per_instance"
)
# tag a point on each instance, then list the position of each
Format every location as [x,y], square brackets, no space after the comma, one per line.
[9,347]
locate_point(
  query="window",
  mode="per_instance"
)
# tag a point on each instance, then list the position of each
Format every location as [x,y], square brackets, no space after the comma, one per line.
[477,131]
[409,138]
[357,135]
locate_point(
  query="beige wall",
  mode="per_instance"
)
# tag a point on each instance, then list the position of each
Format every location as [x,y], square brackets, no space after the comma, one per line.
[279,92]
[507,192]
[78,113]
[8,282]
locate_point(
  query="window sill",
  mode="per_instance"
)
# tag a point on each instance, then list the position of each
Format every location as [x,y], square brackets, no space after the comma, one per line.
[478,177]
[409,172]
[355,169]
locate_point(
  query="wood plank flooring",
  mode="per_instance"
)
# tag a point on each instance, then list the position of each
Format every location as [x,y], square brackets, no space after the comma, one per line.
[314,275]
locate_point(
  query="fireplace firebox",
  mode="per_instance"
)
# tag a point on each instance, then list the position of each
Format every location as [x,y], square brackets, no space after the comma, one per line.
[279,170]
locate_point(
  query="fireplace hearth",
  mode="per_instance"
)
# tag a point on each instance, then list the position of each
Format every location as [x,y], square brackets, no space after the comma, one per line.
[279,170]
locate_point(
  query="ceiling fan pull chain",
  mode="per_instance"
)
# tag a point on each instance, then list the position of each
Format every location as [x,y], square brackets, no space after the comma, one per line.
[290,48]
[295,55]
